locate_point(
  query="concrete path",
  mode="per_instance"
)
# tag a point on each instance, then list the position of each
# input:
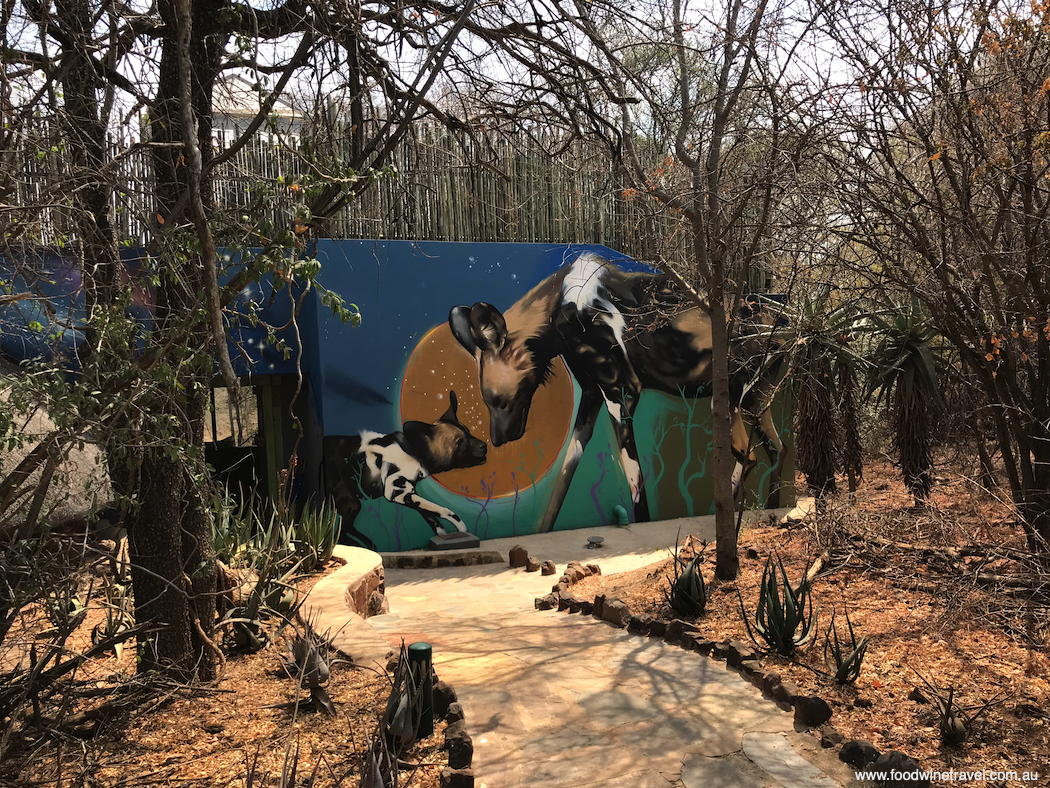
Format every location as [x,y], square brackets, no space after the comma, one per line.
[558,700]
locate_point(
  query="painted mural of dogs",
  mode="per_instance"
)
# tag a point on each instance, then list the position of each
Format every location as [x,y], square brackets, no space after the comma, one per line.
[371,465]
[618,333]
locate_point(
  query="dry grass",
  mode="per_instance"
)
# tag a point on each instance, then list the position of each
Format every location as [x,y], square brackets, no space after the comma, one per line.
[202,736]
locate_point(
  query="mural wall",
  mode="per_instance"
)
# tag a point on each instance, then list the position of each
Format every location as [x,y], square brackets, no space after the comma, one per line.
[479,392]
[541,347]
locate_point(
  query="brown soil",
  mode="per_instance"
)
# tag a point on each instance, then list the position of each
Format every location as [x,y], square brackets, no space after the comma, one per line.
[922,617]
[206,736]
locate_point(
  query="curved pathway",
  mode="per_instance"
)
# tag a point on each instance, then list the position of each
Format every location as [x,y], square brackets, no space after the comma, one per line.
[556,700]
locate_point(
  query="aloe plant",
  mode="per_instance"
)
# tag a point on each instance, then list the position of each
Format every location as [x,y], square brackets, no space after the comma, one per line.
[404,707]
[687,594]
[232,525]
[309,663]
[316,534]
[118,616]
[846,665]
[785,618]
[63,606]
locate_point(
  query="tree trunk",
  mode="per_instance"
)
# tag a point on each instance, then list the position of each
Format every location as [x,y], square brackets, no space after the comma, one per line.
[157,573]
[727,560]
[174,571]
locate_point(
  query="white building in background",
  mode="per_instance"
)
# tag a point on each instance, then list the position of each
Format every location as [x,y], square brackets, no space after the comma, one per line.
[237,100]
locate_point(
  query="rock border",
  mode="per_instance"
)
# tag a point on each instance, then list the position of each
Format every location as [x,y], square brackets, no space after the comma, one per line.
[810,711]
[460,772]
[438,559]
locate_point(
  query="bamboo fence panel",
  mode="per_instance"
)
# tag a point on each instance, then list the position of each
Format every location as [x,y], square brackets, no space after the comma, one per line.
[447,187]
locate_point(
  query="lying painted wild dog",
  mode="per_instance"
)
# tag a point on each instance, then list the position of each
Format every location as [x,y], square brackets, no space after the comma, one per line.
[618,333]
[372,465]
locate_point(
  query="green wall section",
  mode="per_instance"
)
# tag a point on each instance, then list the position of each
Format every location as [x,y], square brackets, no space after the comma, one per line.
[674,433]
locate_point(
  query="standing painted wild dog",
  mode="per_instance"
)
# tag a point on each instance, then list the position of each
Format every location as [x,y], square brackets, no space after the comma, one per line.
[373,465]
[618,333]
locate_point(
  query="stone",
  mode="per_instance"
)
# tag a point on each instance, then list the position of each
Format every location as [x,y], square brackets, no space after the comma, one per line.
[444,696]
[704,646]
[811,711]
[738,653]
[599,605]
[548,568]
[457,540]
[773,754]
[752,668]
[455,712]
[575,572]
[862,703]
[594,569]
[858,752]
[770,682]
[616,613]
[459,745]
[675,630]
[548,602]
[639,624]
[657,628]
[575,605]
[518,556]
[377,604]
[900,770]
[786,692]
[456,778]
[830,738]
[702,771]
[532,565]
[586,607]
[917,695]
[563,600]
[720,649]
[689,640]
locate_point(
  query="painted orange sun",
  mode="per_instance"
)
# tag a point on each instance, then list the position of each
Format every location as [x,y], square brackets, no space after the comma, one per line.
[439,364]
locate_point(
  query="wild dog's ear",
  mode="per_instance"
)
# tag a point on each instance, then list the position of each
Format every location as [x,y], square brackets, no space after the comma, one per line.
[487,326]
[417,435]
[459,322]
[450,414]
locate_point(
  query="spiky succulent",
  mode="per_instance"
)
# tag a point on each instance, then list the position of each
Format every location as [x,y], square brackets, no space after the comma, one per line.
[846,665]
[686,593]
[404,707]
[785,619]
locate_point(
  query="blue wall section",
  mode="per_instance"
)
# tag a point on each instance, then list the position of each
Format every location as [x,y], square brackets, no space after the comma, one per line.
[404,289]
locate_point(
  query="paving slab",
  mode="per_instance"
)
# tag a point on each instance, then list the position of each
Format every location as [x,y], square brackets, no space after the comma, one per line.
[561,701]
[773,753]
[701,771]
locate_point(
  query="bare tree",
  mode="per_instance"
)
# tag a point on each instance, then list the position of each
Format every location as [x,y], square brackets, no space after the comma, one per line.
[944,173]
[705,113]
[86,68]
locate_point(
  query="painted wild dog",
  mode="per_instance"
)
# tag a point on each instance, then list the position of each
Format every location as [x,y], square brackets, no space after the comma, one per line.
[372,465]
[618,333]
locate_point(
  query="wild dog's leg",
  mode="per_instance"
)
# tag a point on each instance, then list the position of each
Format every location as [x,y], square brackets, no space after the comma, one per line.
[775,449]
[743,454]
[590,404]
[400,490]
[621,411]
